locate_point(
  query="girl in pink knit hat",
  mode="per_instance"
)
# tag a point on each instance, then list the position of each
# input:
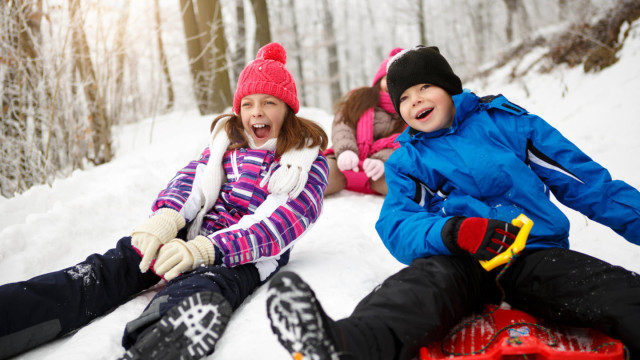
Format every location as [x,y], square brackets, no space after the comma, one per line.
[222,227]
[363,133]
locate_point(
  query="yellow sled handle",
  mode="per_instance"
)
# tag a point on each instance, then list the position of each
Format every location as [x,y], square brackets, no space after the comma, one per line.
[525,224]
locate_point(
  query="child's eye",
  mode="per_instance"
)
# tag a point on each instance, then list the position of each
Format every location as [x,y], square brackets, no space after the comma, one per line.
[244,105]
[402,98]
[425,87]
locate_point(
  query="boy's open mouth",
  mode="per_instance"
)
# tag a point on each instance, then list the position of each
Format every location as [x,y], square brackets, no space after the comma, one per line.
[261,130]
[424,114]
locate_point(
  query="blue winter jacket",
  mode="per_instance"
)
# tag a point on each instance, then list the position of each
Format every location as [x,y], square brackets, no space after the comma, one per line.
[496,161]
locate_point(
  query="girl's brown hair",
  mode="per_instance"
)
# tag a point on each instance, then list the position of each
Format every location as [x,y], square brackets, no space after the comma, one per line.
[296,133]
[355,103]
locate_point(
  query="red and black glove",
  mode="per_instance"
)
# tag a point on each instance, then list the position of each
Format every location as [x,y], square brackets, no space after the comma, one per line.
[481,237]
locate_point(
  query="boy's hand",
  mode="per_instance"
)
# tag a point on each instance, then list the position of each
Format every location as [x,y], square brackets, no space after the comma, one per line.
[481,237]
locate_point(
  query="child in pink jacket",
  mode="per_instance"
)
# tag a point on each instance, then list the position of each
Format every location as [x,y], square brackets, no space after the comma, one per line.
[363,137]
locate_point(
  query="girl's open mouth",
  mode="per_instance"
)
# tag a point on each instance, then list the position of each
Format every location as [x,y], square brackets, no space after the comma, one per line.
[261,131]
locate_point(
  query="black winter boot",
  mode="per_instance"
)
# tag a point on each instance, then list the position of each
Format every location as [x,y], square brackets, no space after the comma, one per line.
[298,320]
[188,331]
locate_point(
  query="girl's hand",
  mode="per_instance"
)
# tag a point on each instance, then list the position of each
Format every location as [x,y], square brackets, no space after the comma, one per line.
[178,257]
[374,168]
[158,230]
[348,160]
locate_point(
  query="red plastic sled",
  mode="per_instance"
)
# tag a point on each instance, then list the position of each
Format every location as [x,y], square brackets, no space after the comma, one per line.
[512,334]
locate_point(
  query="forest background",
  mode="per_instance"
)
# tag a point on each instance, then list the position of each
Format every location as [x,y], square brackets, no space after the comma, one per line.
[72,70]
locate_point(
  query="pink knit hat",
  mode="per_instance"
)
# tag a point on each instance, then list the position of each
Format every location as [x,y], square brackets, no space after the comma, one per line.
[382,70]
[267,75]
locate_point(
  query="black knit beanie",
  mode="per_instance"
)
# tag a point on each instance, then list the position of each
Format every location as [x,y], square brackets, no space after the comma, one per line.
[420,65]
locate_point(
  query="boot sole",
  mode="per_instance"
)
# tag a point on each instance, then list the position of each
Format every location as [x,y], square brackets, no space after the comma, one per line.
[296,318]
[189,331]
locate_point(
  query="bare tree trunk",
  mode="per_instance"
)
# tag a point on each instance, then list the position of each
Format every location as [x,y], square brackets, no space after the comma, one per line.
[479,27]
[313,53]
[263,29]
[70,130]
[119,92]
[298,46]
[381,54]
[222,97]
[562,8]
[422,22]
[99,121]
[332,50]
[515,8]
[194,52]
[347,34]
[163,57]
[364,28]
[205,13]
[510,13]
[206,48]
[239,55]
[213,45]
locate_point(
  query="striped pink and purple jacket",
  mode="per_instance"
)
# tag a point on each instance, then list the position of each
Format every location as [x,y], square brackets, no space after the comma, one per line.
[247,224]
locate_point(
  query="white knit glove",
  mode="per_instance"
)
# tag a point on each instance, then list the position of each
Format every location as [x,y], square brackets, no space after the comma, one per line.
[374,168]
[178,256]
[158,230]
[348,160]
[293,173]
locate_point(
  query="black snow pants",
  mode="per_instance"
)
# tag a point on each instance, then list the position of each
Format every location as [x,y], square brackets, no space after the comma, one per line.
[421,303]
[50,306]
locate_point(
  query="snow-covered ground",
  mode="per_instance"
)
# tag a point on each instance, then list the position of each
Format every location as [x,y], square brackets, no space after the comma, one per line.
[50,228]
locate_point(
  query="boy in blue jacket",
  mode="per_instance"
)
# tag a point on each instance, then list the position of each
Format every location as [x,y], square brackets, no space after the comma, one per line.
[466,168]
